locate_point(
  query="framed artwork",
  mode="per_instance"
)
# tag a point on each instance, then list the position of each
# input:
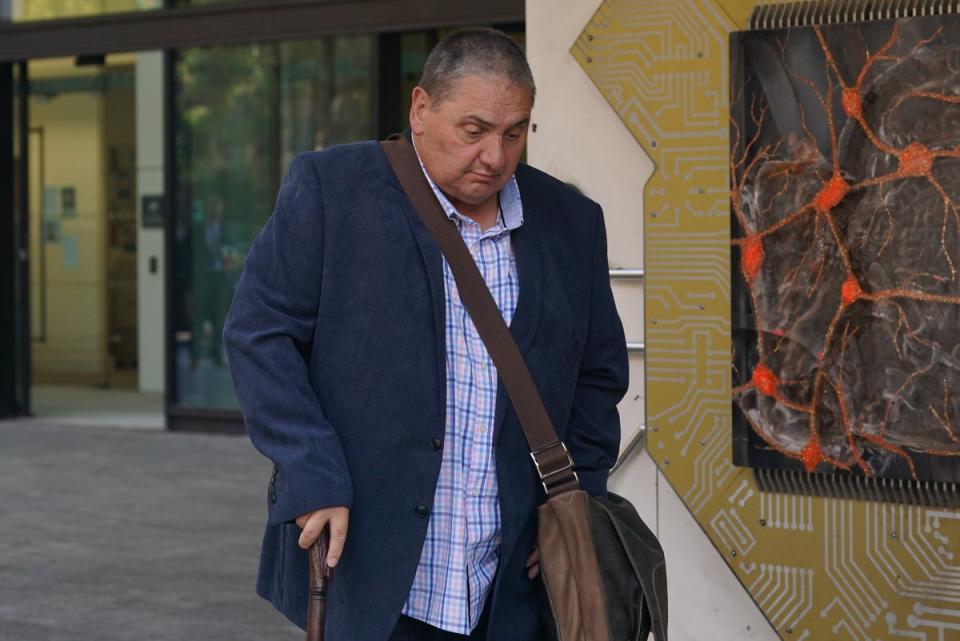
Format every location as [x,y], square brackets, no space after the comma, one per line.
[845,201]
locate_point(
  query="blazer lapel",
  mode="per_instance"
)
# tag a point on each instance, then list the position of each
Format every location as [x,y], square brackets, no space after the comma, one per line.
[433,265]
[527,251]
[528,254]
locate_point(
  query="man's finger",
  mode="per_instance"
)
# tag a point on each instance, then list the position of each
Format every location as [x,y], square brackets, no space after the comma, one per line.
[533,563]
[313,528]
[338,536]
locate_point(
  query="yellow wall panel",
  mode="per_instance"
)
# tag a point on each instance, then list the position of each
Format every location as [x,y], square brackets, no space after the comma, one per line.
[818,568]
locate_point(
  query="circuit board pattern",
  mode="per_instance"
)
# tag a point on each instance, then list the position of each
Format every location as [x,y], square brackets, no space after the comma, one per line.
[818,568]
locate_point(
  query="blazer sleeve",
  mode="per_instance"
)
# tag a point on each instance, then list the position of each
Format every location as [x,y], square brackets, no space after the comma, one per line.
[268,333]
[593,432]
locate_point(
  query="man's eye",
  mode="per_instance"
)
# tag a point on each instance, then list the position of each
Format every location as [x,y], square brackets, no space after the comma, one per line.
[473,133]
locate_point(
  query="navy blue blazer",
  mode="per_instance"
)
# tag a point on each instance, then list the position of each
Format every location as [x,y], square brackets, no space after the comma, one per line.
[335,339]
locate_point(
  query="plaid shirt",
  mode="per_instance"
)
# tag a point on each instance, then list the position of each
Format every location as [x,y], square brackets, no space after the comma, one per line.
[462,547]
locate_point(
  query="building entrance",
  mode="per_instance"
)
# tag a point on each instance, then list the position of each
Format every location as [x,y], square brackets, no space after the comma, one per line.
[133,184]
[93,252]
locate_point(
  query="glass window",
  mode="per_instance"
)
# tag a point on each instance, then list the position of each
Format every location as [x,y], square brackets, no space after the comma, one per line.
[242,114]
[401,62]
[25,10]
[184,3]
[414,47]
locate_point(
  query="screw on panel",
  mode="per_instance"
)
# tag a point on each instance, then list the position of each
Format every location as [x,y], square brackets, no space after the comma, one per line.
[763,522]
[700,307]
[653,215]
[700,190]
[589,59]
[893,535]
[589,37]
[666,461]
[788,629]
[699,54]
[654,427]
[733,553]
[653,143]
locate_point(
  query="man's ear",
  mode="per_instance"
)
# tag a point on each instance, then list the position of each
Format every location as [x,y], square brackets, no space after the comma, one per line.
[419,103]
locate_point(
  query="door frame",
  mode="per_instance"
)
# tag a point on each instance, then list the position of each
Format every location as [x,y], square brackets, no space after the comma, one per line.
[14,234]
[241,22]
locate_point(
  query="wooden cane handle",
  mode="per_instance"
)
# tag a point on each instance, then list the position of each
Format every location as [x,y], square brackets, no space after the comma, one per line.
[317,588]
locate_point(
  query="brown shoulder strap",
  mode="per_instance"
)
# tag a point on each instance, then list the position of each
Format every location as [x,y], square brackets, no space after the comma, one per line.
[550,455]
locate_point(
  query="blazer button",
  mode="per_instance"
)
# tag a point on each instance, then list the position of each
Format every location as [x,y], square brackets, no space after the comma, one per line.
[436,444]
[421,511]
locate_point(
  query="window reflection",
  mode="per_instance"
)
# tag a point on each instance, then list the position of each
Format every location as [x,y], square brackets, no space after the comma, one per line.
[243,113]
[26,10]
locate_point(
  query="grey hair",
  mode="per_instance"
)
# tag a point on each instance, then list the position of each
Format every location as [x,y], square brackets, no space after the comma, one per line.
[476,51]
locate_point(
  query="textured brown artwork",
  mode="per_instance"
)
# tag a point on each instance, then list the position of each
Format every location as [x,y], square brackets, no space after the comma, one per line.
[845,170]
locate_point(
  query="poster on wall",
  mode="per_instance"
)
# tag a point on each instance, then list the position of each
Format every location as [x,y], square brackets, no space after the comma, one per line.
[51,204]
[845,228]
[71,252]
[68,202]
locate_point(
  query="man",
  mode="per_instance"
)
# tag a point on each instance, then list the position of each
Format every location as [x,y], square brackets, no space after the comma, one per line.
[361,376]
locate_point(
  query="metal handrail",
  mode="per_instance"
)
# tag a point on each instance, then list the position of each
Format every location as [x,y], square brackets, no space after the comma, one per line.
[617,273]
[636,441]
[636,347]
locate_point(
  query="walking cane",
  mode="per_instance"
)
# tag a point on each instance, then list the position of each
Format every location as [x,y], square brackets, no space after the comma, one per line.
[317,590]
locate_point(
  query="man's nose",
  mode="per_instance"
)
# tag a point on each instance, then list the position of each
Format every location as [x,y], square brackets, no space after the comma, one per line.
[492,154]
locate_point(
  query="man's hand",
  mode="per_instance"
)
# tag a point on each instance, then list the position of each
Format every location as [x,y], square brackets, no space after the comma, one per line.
[533,567]
[313,523]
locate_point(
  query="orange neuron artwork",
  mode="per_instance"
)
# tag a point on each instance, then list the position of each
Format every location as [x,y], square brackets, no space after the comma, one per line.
[845,201]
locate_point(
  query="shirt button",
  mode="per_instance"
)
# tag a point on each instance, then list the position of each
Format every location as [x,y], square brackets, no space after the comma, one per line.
[436,444]
[421,511]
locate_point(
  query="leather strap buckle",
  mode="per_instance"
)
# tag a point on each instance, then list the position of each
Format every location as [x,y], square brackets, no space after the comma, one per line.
[554,477]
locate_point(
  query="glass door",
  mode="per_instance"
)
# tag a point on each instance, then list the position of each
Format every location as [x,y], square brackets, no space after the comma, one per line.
[91,231]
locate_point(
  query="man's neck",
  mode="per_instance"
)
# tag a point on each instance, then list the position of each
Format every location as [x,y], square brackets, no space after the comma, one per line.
[485,214]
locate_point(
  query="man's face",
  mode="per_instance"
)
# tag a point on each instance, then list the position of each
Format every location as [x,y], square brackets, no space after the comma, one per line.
[471,141]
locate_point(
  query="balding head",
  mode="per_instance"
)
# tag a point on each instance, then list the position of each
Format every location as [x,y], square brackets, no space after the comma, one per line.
[474,52]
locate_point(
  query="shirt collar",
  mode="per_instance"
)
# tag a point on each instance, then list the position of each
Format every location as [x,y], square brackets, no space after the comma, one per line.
[511,206]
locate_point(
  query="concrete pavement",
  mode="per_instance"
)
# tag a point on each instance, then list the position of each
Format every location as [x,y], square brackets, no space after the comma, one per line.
[109,534]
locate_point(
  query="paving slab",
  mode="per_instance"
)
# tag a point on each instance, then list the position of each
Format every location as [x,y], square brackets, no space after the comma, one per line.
[117,535]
